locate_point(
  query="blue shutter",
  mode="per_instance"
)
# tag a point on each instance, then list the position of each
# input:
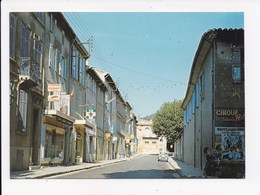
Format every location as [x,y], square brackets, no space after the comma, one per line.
[197,95]
[193,103]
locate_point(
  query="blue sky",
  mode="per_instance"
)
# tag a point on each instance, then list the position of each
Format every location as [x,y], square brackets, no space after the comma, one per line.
[148,54]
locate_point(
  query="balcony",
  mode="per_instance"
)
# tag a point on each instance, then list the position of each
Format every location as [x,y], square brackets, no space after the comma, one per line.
[30,74]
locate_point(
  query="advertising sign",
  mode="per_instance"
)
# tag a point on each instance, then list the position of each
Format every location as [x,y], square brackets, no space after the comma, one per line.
[230,117]
[54,98]
[54,87]
[232,143]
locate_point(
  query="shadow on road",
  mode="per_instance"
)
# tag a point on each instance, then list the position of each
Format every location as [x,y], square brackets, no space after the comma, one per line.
[141,174]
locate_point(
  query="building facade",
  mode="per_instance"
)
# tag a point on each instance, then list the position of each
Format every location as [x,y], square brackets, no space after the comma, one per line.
[214,101]
[59,106]
[27,50]
[148,142]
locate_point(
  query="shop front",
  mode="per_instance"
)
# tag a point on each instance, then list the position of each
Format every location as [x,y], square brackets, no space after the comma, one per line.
[84,141]
[57,139]
[107,146]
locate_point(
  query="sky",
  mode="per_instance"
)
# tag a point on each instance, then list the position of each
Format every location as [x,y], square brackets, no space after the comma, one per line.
[148,54]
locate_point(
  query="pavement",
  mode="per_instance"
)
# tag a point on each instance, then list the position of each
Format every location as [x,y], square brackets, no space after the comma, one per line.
[183,170]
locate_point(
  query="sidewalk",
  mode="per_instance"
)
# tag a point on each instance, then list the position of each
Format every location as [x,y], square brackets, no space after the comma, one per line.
[56,170]
[185,170]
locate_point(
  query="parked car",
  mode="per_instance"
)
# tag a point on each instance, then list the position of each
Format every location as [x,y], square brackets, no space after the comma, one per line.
[170,154]
[163,157]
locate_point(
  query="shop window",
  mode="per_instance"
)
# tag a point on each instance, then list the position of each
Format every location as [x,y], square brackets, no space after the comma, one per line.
[78,144]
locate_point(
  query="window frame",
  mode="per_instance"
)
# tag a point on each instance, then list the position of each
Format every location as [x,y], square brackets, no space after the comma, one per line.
[24,41]
[23,110]
[37,53]
[12,34]
[40,16]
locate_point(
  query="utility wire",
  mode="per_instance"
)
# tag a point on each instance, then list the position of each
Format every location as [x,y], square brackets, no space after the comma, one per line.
[138,72]
[81,29]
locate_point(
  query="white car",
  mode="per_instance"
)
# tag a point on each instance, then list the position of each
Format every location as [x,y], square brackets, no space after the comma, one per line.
[163,157]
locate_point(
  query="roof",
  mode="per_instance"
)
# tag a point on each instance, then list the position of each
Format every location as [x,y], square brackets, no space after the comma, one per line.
[207,39]
[92,72]
[63,23]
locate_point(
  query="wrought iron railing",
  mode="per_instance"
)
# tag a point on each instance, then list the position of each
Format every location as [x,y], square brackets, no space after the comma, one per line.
[30,69]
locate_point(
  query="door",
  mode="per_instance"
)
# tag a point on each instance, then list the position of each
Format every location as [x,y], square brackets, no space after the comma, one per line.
[19,160]
[35,137]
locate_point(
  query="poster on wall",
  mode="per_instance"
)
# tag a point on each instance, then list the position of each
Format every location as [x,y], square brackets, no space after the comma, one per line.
[233,144]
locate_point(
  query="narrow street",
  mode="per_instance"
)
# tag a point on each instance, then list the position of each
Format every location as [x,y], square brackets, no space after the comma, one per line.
[143,167]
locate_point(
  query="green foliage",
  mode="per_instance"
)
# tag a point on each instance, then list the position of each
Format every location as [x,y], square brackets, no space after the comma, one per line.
[168,121]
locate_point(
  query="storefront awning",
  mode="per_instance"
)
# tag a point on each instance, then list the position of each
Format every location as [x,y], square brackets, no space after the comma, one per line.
[59,116]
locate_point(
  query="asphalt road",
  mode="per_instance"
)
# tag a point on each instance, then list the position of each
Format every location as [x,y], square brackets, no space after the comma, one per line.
[141,167]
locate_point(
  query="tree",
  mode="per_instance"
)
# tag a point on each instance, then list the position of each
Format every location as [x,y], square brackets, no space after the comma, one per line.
[168,121]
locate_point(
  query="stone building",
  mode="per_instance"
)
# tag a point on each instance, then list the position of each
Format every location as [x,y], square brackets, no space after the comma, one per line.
[59,111]
[27,51]
[215,102]
[148,142]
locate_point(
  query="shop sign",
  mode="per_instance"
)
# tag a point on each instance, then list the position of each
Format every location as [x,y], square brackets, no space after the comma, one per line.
[54,98]
[52,121]
[63,120]
[230,116]
[54,87]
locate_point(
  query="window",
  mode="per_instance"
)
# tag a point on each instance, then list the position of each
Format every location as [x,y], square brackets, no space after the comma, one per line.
[22,118]
[25,45]
[189,111]
[62,37]
[193,103]
[12,36]
[51,57]
[37,51]
[236,67]
[236,73]
[40,16]
[81,71]
[185,116]
[202,86]
[57,60]
[63,67]
[197,95]
[52,23]
[37,56]
[75,64]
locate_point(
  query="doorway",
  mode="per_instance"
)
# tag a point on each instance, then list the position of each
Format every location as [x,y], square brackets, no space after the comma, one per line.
[35,137]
